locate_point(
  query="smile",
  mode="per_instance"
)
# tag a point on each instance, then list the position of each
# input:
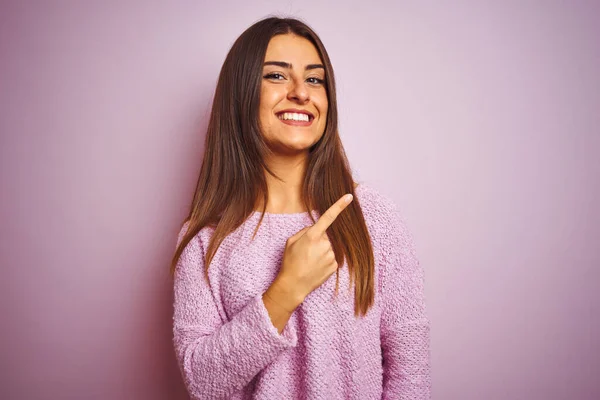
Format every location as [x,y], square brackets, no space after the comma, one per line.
[295,118]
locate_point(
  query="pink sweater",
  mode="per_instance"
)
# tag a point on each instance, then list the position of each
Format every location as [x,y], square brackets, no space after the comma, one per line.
[227,347]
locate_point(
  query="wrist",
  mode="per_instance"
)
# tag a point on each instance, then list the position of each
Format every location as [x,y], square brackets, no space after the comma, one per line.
[280,294]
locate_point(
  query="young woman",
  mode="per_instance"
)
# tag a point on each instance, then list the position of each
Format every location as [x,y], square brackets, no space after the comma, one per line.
[258,312]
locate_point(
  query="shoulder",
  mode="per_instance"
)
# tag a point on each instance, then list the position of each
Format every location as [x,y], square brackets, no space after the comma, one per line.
[377,206]
[193,250]
[198,243]
[383,216]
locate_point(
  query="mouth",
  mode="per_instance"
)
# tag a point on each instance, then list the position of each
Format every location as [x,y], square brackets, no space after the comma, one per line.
[295,117]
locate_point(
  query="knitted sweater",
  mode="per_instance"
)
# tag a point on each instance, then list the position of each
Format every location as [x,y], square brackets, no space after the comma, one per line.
[228,348]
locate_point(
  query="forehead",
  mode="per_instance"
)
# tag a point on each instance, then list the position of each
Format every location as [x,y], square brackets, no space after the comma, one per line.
[293,49]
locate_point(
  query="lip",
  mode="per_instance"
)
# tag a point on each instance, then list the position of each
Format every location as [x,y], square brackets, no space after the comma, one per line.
[311,117]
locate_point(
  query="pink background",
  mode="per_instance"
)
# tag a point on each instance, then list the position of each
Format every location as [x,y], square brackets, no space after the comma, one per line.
[481,121]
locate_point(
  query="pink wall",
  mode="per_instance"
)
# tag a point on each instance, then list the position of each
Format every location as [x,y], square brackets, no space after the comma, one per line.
[481,121]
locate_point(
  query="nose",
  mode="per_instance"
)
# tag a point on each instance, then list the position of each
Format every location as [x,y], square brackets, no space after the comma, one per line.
[298,91]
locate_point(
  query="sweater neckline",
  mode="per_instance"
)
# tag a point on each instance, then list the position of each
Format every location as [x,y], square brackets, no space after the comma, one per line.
[280,216]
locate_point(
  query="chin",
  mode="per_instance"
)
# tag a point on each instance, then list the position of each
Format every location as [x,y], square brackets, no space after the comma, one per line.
[303,142]
[299,146]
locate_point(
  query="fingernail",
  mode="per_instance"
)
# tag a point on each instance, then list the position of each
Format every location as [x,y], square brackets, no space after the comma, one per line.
[348,198]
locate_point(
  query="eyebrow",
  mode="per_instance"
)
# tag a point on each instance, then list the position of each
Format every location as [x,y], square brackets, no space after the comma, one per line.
[284,64]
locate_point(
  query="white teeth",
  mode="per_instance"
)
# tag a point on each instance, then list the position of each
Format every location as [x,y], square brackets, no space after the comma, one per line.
[294,116]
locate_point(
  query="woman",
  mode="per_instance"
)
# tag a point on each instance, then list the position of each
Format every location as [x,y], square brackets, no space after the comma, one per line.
[267,320]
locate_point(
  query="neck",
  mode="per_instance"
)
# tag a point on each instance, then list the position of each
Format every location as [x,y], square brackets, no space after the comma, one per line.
[285,195]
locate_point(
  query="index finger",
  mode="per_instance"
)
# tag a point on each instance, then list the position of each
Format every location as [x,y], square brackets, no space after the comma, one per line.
[331,214]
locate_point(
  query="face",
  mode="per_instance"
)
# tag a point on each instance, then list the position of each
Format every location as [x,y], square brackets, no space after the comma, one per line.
[293,97]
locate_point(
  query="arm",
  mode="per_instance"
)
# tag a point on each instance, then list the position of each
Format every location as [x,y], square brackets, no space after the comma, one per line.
[404,323]
[278,302]
[218,358]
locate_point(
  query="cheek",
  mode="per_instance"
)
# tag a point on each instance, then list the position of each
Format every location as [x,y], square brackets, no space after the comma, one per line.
[266,122]
[269,97]
[323,107]
[266,107]
[321,102]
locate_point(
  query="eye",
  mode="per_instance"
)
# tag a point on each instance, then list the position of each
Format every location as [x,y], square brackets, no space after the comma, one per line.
[274,75]
[316,81]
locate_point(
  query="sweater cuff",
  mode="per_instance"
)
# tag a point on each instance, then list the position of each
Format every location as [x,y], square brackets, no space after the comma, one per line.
[287,338]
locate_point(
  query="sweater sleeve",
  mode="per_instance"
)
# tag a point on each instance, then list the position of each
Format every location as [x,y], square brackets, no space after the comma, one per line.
[216,358]
[404,322]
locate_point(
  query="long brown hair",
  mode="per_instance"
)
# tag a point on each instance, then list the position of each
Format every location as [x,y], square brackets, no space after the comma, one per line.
[232,176]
